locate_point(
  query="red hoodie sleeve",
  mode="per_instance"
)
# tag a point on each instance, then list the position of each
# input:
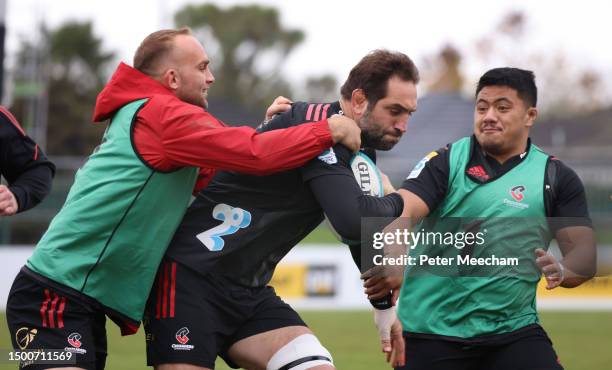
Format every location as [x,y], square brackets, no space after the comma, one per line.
[204,177]
[188,136]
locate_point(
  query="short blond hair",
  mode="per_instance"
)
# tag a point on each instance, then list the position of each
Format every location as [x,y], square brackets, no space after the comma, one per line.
[154,47]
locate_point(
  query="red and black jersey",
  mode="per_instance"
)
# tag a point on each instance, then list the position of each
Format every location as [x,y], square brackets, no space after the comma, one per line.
[23,164]
[241,226]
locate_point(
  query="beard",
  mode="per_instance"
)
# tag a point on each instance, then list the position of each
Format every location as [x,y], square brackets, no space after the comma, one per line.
[372,134]
[490,145]
[194,96]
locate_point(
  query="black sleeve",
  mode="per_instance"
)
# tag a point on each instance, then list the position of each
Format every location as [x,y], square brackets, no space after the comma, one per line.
[333,184]
[28,172]
[292,117]
[566,197]
[429,178]
[345,204]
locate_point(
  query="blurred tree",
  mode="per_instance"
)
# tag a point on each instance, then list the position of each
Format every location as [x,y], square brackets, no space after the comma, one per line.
[247,46]
[65,71]
[447,76]
[565,86]
[322,89]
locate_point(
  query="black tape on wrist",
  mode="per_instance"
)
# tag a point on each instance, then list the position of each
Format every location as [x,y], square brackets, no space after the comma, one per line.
[382,303]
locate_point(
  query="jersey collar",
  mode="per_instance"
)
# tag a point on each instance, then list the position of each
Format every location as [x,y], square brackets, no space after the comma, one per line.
[483,168]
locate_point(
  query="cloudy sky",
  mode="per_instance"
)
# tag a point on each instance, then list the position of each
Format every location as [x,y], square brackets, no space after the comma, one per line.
[338,33]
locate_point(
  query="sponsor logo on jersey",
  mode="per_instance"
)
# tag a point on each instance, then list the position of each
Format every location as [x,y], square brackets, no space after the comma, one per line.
[74,339]
[517,193]
[416,171]
[24,336]
[233,219]
[478,172]
[183,339]
[329,156]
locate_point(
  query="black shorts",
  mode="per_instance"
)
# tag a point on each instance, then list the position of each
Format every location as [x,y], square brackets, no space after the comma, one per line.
[528,348]
[40,317]
[192,318]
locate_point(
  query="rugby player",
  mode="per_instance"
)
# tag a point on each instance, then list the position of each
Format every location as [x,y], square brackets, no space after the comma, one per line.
[489,321]
[100,253]
[211,296]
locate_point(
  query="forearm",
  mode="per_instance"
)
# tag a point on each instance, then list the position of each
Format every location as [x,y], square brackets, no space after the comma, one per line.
[578,268]
[575,281]
[579,251]
[345,204]
[242,149]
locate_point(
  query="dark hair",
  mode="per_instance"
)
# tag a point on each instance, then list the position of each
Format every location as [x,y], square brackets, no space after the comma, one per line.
[154,47]
[373,72]
[521,80]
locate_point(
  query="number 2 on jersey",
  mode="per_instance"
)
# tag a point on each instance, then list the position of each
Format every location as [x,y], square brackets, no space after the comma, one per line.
[233,220]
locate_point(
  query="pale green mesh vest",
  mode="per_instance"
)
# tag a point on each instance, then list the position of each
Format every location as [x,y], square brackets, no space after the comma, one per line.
[467,301]
[108,239]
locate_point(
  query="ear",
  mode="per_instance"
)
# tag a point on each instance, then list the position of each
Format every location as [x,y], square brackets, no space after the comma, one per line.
[359,102]
[532,114]
[170,79]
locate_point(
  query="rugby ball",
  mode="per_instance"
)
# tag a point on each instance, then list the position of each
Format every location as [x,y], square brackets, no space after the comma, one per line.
[368,176]
[370,181]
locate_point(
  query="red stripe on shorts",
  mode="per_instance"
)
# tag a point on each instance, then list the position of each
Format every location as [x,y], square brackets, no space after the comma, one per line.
[172,288]
[60,313]
[43,308]
[52,310]
[165,304]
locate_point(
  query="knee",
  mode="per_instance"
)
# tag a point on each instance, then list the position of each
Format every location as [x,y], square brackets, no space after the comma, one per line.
[303,352]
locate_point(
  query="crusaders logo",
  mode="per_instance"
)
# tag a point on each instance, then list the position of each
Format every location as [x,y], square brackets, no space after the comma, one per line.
[74,340]
[181,335]
[182,338]
[517,192]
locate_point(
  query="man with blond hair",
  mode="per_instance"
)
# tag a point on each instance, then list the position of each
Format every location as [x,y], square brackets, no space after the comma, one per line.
[101,252]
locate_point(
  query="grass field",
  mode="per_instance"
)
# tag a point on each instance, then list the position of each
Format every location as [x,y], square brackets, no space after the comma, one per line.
[583,341]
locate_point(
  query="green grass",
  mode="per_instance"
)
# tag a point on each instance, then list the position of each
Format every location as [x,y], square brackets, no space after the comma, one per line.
[583,340]
[320,235]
